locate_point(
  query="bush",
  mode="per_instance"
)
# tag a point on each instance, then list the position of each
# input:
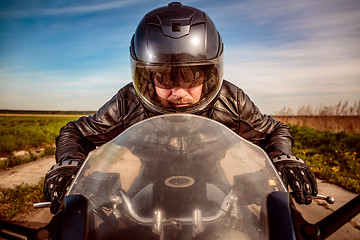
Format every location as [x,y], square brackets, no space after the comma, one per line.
[15,200]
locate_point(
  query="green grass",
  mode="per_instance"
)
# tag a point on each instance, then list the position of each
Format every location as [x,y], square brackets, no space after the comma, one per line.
[333,157]
[25,132]
[20,198]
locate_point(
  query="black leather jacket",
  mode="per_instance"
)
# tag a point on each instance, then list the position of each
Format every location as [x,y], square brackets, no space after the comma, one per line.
[233,108]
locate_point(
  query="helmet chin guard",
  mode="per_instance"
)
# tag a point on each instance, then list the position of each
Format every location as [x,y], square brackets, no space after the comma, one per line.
[173,47]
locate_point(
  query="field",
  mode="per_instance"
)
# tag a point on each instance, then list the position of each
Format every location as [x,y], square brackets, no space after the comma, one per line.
[334,157]
[330,146]
[29,133]
[349,124]
[25,132]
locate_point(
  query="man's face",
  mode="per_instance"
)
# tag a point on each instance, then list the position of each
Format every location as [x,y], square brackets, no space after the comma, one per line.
[178,97]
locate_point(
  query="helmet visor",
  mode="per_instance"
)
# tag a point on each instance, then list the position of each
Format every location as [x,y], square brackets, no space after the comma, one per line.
[177,87]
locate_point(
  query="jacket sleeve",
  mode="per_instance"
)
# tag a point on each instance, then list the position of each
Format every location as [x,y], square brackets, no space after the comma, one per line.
[235,109]
[70,144]
[279,141]
[272,135]
[78,138]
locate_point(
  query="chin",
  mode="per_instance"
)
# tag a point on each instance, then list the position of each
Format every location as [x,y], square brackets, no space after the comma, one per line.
[181,105]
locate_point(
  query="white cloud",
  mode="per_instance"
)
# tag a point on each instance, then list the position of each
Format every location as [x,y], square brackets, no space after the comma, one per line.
[312,55]
[59,90]
[284,77]
[81,9]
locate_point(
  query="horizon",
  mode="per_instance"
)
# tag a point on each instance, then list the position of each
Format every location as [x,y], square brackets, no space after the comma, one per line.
[70,56]
[341,109]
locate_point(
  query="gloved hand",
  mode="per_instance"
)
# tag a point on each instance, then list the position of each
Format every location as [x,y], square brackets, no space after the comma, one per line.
[295,173]
[57,180]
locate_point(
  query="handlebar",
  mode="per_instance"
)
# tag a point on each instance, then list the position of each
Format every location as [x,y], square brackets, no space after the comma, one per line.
[42,205]
[328,199]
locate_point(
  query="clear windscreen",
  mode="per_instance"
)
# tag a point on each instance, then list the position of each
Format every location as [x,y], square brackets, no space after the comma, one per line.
[182,174]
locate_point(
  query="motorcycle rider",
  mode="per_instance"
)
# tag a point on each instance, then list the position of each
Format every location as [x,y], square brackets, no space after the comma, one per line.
[177,67]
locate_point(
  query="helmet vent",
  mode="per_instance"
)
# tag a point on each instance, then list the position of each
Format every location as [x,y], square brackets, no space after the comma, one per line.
[176,27]
[175,4]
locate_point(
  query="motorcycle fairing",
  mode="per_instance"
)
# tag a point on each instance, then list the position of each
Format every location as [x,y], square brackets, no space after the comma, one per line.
[179,175]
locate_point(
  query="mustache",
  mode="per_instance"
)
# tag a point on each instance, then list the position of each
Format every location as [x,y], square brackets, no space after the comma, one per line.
[179,101]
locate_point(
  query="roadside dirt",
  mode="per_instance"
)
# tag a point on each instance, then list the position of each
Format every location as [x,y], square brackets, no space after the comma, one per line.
[29,173]
[32,172]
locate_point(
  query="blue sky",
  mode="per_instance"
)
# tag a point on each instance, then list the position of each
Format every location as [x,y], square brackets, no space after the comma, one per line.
[74,55]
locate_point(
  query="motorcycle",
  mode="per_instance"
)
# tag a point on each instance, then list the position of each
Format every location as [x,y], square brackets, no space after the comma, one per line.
[180,176]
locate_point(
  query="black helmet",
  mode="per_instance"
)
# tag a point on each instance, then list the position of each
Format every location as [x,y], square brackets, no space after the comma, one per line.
[176,47]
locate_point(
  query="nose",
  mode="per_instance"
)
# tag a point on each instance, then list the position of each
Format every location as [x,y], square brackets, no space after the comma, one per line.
[179,92]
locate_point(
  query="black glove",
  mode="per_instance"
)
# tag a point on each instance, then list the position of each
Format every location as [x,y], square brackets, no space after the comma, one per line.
[295,173]
[57,180]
